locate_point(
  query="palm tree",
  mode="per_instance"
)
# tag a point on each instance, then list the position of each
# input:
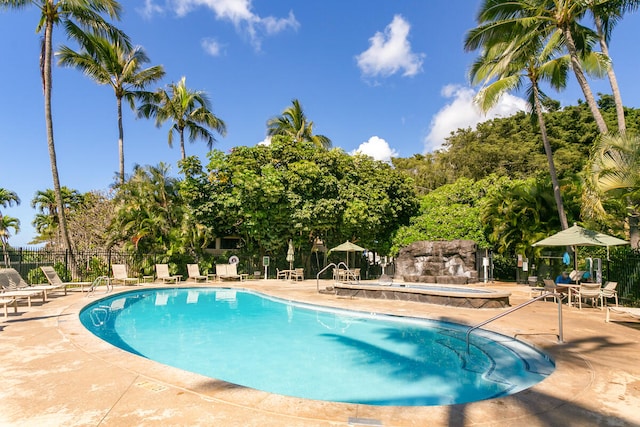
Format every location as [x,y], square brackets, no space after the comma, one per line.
[613,174]
[295,124]
[505,64]
[46,220]
[111,62]
[7,222]
[88,13]
[547,17]
[8,198]
[606,15]
[188,110]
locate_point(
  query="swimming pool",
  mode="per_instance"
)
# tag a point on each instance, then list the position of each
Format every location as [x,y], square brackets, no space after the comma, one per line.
[313,352]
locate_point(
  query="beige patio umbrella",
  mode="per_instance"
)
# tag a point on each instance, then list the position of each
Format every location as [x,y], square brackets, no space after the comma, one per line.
[347,247]
[291,254]
[577,236]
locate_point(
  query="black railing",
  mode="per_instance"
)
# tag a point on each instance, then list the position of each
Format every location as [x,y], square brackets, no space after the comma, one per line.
[624,268]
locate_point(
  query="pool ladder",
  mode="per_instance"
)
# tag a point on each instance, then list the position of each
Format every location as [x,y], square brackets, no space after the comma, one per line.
[328,266]
[557,297]
[99,280]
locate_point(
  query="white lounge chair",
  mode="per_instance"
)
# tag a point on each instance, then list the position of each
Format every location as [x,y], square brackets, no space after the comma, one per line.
[14,285]
[162,272]
[193,271]
[120,275]
[589,291]
[6,302]
[229,272]
[54,279]
[631,311]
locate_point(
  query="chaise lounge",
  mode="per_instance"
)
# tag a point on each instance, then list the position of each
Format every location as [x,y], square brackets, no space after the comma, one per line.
[54,279]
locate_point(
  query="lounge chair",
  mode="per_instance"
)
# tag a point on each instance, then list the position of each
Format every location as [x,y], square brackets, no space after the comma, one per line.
[229,272]
[120,275]
[162,273]
[14,285]
[6,302]
[54,279]
[193,271]
[589,291]
[631,311]
[609,291]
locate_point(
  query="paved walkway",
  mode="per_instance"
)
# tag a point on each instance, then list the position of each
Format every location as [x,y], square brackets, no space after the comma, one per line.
[55,373]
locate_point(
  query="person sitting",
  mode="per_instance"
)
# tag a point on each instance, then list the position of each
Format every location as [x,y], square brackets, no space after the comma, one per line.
[563,278]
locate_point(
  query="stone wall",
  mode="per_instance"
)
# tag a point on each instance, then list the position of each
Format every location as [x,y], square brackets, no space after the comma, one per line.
[451,262]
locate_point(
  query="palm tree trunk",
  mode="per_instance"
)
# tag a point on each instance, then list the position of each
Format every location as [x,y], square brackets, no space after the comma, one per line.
[46,75]
[615,89]
[120,140]
[552,168]
[634,233]
[582,81]
[184,153]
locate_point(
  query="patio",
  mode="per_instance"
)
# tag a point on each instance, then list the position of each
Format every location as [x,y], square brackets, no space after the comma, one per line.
[57,373]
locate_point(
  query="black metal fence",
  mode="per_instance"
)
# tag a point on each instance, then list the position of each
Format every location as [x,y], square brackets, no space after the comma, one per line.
[624,268]
[88,264]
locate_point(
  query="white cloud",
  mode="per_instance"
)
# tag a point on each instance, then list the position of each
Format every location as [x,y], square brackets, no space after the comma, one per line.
[390,52]
[211,46]
[266,141]
[377,148]
[462,113]
[240,14]
[149,9]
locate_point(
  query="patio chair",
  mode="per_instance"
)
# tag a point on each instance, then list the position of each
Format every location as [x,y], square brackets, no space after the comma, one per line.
[162,273]
[589,291]
[193,272]
[13,283]
[54,279]
[297,274]
[229,272]
[120,275]
[550,286]
[609,291]
[282,274]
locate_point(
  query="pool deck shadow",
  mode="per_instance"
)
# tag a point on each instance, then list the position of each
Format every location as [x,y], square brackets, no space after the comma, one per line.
[56,373]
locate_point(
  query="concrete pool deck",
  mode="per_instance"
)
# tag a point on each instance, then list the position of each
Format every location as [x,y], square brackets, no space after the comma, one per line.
[56,373]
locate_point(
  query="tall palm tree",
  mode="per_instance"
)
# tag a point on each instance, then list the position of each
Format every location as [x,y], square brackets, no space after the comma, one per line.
[505,64]
[547,17]
[6,223]
[8,198]
[613,172]
[111,62]
[293,122]
[188,110]
[47,220]
[88,14]
[606,14]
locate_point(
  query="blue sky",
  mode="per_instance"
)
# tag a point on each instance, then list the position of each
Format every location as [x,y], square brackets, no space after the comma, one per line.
[387,78]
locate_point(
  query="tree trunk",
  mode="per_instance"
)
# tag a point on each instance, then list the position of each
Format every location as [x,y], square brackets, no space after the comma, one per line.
[615,89]
[120,140]
[634,233]
[582,81]
[552,168]
[46,77]
[183,153]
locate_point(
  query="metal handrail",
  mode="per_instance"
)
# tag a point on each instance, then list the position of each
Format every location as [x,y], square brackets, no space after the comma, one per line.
[558,298]
[97,282]
[325,269]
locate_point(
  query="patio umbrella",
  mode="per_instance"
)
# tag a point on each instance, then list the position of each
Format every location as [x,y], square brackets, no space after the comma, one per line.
[347,247]
[578,236]
[291,254]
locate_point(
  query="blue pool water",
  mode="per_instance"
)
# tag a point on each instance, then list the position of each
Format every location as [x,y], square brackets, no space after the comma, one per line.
[312,352]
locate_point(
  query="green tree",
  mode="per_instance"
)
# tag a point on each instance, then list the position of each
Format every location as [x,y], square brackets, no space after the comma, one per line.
[613,181]
[46,220]
[294,123]
[550,20]
[6,224]
[606,14]
[505,63]
[188,110]
[114,63]
[88,14]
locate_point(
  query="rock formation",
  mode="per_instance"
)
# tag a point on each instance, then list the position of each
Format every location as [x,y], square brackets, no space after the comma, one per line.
[450,262]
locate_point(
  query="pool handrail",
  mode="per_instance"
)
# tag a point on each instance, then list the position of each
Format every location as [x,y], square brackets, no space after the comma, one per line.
[557,297]
[325,269]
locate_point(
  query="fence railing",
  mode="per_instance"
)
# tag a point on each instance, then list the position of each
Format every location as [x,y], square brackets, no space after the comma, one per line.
[625,270]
